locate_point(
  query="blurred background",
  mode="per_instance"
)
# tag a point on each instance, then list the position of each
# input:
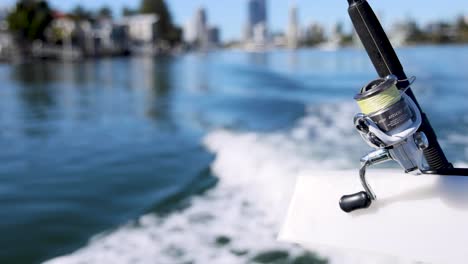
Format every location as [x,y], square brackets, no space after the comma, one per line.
[172,131]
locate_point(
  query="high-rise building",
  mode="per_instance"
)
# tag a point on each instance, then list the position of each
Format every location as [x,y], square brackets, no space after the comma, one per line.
[257,12]
[201,27]
[257,26]
[214,36]
[293,29]
[199,34]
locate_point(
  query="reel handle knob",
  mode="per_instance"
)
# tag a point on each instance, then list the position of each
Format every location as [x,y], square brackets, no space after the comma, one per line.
[352,202]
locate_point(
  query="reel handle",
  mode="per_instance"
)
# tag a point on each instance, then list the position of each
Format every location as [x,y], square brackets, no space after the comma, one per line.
[352,202]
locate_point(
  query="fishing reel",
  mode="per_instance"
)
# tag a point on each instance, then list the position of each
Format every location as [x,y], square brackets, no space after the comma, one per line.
[389,122]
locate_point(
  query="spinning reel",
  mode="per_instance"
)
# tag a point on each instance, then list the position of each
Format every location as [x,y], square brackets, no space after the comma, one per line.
[389,122]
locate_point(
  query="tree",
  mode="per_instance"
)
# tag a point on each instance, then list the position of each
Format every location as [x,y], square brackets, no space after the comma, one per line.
[126,11]
[105,11]
[462,29]
[415,34]
[80,13]
[164,27]
[29,20]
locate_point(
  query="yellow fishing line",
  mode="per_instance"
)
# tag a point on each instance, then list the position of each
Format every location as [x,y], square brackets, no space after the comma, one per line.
[380,101]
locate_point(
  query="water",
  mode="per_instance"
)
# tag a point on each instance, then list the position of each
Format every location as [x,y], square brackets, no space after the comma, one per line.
[191,158]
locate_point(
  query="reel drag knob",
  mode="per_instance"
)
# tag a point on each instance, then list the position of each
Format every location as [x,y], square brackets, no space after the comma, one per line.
[352,202]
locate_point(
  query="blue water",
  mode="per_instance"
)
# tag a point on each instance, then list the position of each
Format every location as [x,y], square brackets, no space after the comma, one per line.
[87,148]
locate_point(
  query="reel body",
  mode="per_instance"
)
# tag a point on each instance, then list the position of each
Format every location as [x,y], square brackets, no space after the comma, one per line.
[389,122]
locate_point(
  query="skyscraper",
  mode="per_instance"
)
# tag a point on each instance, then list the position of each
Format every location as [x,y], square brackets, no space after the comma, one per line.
[293,28]
[214,36]
[257,12]
[199,34]
[257,28]
[201,28]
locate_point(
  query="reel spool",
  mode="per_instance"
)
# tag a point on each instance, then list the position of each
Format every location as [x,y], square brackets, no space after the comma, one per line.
[389,122]
[383,103]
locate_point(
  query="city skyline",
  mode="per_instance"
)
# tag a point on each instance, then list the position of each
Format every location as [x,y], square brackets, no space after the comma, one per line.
[231,15]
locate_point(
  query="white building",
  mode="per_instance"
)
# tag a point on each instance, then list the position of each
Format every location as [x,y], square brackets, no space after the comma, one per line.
[6,44]
[140,33]
[102,33]
[6,40]
[260,33]
[83,34]
[140,28]
[190,31]
[60,29]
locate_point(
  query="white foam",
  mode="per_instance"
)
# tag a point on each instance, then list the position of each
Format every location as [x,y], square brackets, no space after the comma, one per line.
[257,173]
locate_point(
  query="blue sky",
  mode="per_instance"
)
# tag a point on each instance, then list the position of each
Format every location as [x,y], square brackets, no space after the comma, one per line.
[230,15]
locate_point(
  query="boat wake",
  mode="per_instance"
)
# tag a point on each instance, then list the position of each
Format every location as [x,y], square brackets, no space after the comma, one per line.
[239,219]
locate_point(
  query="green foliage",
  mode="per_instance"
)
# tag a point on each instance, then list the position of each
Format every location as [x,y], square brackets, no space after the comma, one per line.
[439,33]
[165,29]
[29,20]
[462,29]
[415,34]
[313,40]
[126,11]
[105,11]
[80,13]
[347,39]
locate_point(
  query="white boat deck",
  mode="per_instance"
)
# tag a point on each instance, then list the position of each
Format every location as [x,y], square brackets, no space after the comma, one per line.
[417,218]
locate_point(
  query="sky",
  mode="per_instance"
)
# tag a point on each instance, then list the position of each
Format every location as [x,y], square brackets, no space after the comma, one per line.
[231,15]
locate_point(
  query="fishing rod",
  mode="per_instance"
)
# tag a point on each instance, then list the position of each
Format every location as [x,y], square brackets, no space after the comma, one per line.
[391,119]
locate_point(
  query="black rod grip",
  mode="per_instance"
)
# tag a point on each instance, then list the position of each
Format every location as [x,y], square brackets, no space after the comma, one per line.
[352,202]
[386,62]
